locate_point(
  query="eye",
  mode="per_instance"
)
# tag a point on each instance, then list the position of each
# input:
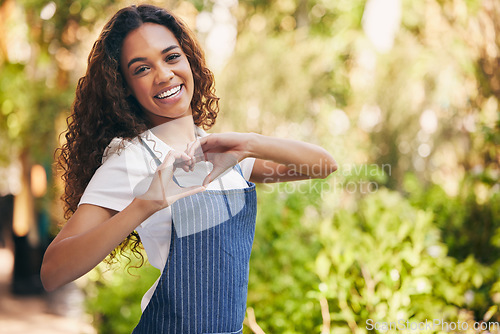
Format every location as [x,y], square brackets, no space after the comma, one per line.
[141,70]
[172,57]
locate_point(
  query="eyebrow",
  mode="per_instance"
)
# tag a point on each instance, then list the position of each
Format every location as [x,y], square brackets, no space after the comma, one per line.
[134,60]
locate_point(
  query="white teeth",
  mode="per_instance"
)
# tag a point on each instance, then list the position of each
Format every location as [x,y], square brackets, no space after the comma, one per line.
[169,92]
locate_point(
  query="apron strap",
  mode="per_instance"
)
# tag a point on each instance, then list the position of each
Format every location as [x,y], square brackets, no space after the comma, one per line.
[155,158]
[238,169]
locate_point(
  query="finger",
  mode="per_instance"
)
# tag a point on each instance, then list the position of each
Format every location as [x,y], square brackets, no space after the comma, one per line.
[188,192]
[207,180]
[180,159]
[191,148]
[191,152]
[203,140]
[215,173]
[163,196]
[169,160]
[193,190]
[196,152]
[185,164]
[208,143]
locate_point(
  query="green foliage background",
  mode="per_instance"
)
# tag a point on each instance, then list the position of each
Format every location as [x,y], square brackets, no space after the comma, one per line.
[407,228]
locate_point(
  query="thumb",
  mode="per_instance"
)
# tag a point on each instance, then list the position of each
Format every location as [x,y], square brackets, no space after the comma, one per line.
[169,160]
[188,192]
[215,173]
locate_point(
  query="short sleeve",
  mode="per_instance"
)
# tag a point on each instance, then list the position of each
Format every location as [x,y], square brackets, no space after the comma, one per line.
[113,183]
[247,167]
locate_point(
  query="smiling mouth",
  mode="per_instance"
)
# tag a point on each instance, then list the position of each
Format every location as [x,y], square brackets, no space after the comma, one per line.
[169,93]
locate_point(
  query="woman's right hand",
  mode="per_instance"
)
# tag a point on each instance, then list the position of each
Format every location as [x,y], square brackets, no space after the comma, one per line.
[164,191]
[93,231]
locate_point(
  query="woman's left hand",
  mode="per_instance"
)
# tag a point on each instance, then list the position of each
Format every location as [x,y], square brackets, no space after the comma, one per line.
[223,150]
[276,159]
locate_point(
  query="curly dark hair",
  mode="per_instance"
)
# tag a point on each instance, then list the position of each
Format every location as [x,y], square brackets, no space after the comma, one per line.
[103,110]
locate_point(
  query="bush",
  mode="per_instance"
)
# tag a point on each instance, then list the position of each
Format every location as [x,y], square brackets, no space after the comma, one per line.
[114,295]
[382,259]
[386,261]
[470,227]
[282,263]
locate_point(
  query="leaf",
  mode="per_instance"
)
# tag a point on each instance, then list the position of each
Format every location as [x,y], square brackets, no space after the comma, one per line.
[490,313]
[323,264]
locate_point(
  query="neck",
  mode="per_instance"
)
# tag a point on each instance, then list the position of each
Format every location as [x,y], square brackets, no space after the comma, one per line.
[176,133]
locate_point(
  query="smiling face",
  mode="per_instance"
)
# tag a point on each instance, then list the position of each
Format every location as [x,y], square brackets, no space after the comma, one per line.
[157,73]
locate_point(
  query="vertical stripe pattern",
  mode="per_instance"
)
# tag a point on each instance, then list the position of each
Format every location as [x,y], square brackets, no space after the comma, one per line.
[203,288]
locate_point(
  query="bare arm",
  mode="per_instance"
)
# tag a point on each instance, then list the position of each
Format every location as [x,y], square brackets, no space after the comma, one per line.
[87,238]
[93,231]
[277,159]
[280,160]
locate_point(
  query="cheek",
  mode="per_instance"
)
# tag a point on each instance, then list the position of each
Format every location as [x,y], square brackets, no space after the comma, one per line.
[137,89]
[188,70]
[129,86]
[191,77]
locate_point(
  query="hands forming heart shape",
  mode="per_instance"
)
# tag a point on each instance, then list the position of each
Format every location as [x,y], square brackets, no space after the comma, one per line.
[221,151]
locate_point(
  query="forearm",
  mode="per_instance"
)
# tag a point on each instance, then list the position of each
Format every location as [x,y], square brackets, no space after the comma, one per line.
[304,158]
[68,258]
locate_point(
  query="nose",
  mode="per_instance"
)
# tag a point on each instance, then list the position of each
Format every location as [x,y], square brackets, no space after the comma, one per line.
[163,74]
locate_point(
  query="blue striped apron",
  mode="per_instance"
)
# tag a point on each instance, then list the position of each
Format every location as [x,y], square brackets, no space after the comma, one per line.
[203,287]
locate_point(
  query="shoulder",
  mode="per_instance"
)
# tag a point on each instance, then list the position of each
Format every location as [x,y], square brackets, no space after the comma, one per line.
[123,146]
[125,166]
[114,147]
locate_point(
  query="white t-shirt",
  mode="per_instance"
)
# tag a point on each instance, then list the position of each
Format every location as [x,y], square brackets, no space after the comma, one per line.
[126,168]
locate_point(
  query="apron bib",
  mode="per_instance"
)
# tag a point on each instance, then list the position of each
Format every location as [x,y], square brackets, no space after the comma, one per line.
[203,286]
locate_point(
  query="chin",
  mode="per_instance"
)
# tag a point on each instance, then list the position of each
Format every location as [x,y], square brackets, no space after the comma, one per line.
[158,118]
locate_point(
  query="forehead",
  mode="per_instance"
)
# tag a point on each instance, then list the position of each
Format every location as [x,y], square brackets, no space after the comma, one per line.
[149,37]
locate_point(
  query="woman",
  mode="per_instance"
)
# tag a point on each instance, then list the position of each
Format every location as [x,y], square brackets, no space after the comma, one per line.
[137,163]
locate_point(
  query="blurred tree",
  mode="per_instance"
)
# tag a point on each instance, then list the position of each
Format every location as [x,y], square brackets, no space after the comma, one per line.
[426,104]
[38,62]
[393,86]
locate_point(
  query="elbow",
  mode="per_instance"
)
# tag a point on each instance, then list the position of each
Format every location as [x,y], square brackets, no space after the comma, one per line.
[333,166]
[330,170]
[333,169]
[329,167]
[47,282]
[48,277]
